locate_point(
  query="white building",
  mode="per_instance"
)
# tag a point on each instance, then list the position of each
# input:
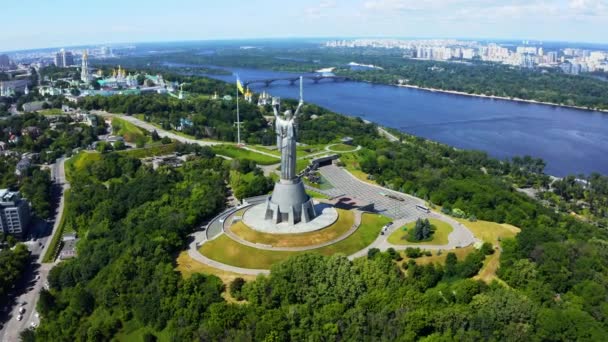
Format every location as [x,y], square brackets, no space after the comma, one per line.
[14,213]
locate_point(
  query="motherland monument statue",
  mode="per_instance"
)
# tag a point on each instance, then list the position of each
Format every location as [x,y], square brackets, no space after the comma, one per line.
[289,201]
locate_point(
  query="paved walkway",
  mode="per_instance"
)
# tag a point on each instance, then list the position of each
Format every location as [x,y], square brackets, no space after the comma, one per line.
[233,236]
[344,182]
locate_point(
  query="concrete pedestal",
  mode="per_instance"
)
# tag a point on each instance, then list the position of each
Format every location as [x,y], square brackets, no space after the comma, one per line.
[289,203]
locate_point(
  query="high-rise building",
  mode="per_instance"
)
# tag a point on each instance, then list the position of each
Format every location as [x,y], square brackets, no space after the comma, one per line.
[84,72]
[552,57]
[14,213]
[64,59]
[5,62]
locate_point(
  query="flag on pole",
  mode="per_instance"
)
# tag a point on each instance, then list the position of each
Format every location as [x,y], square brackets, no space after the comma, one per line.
[239,85]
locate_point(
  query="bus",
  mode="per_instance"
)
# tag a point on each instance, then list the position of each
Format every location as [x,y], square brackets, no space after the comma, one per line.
[423,208]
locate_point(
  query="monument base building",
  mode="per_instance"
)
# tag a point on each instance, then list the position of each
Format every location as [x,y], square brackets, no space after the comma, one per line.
[290,203]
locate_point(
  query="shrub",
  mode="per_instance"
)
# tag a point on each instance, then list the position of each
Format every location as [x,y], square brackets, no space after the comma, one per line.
[487,248]
[236,287]
[394,254]
[413,253]
[458,213]
[372,252]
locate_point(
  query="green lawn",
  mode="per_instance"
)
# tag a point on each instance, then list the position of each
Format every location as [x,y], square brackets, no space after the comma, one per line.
[230,252]
[55,243]
[127,130]
[342,148]
[266,149]
[439,237]
[351,163]
[301,164]
[315,194]
[342,225]
[80,161]
[51,111]
[133,331]
[239,153]
[323,184]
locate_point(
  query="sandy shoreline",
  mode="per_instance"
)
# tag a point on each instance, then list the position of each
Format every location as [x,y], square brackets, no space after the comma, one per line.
[454,92]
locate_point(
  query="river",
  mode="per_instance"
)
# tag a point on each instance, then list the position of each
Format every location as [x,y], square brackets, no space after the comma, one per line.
[571,141]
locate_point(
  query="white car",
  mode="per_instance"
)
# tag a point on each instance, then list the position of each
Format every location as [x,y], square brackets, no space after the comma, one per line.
[20,317]
[33,324]
[21,310]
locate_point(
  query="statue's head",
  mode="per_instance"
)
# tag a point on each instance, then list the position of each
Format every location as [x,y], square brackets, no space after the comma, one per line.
[288,114]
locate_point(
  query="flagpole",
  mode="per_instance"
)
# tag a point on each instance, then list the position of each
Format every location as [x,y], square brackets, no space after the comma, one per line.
[238,118]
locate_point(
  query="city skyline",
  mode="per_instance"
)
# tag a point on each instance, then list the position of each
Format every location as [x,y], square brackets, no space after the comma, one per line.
[66,23]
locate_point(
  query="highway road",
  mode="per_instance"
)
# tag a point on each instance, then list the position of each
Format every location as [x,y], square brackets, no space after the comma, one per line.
[36,276]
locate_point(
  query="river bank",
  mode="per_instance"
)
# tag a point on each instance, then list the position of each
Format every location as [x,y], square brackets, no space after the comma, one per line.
[493,97]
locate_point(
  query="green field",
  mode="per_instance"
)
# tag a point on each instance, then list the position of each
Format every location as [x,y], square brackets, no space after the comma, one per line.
[340,227]
[127,130]
[230,252]
[351,163]
[80,161]
[342,148]
[439,237]
[239,153]
[315,194]
[51,111]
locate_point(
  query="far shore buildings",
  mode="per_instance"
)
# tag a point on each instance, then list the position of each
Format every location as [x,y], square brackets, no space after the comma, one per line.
[14,213]
[64,59]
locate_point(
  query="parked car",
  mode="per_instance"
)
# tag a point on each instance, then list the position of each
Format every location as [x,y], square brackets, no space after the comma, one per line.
[21,310]
[19,317]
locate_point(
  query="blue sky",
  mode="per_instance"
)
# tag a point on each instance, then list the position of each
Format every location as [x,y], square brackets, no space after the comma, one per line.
[53,23]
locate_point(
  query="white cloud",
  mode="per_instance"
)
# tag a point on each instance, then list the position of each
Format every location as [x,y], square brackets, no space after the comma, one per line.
[589,7]
[488,10]
[320,10]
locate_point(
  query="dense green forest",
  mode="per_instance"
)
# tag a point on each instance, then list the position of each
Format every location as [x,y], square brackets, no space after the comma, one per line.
[14,262]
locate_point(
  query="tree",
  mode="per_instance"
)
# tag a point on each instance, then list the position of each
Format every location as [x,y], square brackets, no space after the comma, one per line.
[451,262]
[154,135]
[372,252]
[236,287]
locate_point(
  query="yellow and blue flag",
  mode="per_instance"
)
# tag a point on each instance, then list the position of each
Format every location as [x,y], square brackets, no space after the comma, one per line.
[239,85]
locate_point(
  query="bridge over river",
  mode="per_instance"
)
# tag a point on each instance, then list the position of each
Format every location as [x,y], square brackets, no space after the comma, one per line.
[292,80]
